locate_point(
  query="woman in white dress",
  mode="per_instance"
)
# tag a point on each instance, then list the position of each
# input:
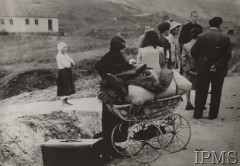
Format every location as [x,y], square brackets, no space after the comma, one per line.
[65,82]
[151,53]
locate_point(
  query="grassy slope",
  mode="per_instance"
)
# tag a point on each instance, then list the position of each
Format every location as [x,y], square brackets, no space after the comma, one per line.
[20,54]
[88,25]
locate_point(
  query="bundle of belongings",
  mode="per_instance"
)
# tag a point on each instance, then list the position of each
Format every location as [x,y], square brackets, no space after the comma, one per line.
[141,85]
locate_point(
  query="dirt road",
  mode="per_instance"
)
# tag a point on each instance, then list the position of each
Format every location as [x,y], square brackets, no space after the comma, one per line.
[217,135]
[221,134]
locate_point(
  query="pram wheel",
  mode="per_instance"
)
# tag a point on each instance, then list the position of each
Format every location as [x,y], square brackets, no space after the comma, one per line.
[144,142]
[119,138]
[177,132]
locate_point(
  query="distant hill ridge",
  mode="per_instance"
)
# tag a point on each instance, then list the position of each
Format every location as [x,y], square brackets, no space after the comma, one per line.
[87,13]
[228,9]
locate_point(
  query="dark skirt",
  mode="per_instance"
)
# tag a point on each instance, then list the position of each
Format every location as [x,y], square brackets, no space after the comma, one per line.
[65,83]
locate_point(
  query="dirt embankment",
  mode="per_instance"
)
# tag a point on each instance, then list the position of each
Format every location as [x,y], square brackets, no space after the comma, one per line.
[20,139]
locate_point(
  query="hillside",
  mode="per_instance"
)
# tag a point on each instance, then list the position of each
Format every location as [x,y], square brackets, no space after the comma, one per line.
[88,25]
[72,14]
[82,15]
[228,9]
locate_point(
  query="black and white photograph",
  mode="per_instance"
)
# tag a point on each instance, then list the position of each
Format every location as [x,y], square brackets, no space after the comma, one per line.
[119,82]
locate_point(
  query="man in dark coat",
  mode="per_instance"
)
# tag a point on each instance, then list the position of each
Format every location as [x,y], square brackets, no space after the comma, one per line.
[212,51]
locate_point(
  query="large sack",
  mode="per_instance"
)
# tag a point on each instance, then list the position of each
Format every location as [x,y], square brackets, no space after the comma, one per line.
[183,85]
[170,91]
[138,95]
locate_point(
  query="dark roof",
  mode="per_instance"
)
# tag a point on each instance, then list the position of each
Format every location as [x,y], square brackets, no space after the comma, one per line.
[23,10]
[27,17]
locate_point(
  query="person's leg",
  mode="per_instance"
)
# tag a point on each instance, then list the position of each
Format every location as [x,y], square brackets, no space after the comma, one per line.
[189,105]
[202,85]
[188,96]
[109,121]
[217,84]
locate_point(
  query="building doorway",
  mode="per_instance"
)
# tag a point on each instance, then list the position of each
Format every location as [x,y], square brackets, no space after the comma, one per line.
[50,28]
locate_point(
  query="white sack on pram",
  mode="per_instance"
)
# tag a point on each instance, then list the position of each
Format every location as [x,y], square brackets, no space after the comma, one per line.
[183,84]
[179,85]
[170,91]
[138,95]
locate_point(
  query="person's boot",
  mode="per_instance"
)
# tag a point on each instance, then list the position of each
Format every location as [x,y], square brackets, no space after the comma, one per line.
[65,102]
[68,102]
[189,106]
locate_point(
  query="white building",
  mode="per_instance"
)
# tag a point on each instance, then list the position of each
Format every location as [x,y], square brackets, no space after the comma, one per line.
[29,24]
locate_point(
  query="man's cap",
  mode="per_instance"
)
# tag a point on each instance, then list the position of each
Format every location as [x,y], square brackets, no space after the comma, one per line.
[215,22]
[164,26]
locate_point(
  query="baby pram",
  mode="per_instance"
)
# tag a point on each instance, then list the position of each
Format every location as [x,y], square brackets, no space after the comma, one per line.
[148,129]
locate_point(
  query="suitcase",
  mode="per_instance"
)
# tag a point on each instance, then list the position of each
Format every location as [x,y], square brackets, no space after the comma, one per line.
[70,153]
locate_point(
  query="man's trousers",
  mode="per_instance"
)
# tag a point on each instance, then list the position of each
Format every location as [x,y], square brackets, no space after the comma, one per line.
[202,87]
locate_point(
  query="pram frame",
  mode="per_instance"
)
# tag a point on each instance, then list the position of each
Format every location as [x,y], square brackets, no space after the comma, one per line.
[155,120]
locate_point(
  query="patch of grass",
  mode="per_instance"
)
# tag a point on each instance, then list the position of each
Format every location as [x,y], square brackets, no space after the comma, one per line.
[27,81]
[86,67]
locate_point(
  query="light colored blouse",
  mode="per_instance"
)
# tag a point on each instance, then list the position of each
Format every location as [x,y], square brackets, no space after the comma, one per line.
[188,63]
[64,61]
[174,47]
[152,57]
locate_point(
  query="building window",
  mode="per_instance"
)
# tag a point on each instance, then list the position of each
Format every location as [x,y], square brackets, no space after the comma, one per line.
[11,21]
[2,21]
[27,21]
[36,21]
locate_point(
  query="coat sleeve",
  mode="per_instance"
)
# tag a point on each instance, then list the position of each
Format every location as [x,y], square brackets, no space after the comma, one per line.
[196,49]
[182,36]
[118,65]
[161,58]
[185,59]
[223,61]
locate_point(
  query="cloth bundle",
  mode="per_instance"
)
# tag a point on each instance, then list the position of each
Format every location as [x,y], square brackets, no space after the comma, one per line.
[138,95]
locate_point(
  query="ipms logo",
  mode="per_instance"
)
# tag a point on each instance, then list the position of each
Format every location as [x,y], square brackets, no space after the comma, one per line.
[223,157]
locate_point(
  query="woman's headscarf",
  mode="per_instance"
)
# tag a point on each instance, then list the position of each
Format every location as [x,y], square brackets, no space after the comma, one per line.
[61,45]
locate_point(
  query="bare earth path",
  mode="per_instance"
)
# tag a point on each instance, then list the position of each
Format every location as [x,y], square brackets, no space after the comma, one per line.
[218,135]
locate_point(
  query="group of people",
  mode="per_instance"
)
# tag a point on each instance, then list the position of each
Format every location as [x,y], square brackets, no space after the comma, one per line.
[202,58]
